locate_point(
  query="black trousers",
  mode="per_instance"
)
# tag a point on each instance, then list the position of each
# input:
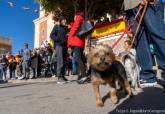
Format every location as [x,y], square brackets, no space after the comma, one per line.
[80,59]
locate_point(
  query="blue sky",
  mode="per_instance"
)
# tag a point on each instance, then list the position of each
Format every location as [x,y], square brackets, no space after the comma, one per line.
[17,23]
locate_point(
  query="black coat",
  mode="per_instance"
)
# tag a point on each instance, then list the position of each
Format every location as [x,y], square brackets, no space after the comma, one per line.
[59,35]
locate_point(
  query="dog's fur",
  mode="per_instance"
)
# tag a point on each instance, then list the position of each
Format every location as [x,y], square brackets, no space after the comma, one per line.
[128,59]
[106,70]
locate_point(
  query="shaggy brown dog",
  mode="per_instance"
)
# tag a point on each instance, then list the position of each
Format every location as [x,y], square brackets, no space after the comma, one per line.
[106,70]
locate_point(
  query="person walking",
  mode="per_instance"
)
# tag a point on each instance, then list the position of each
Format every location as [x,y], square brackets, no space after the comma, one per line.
[78,45]
[59,36]
[151,31]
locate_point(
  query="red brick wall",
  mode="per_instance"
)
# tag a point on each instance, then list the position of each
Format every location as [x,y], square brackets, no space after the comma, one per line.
[42,32]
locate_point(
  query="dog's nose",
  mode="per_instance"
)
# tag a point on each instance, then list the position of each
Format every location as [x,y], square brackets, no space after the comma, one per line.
[102,58]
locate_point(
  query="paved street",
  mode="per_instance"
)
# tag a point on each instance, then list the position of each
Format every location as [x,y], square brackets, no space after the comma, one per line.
[46,97]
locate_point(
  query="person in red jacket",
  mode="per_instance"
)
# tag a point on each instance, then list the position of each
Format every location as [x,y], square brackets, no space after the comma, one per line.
[78,44]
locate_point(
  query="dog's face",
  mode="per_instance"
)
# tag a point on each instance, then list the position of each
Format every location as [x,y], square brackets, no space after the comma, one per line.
[101,57]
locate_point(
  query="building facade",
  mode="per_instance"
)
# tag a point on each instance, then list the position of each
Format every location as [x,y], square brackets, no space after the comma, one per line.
[43,27]
[5,45]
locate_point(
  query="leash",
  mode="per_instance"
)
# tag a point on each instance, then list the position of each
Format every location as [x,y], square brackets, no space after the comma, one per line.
[128,29]
[139,24]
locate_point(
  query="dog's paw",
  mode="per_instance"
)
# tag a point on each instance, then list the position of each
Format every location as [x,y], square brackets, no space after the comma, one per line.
[129,92]
[114,100]
[130,95]
[99,104]
[134,92]
[139,90]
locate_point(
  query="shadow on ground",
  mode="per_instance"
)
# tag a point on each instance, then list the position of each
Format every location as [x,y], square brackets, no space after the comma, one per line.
[151,101]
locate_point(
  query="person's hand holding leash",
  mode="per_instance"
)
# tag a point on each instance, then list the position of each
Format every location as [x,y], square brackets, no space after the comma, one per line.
[143,2]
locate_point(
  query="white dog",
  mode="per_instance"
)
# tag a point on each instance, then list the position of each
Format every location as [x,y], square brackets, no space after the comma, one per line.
[128,58]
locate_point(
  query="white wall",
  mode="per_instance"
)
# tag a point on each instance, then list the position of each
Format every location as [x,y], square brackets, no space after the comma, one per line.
[50,25]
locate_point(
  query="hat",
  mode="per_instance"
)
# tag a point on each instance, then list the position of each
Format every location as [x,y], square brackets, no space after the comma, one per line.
[61,18]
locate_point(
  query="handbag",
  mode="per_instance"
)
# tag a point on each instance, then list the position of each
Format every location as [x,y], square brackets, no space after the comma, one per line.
[84,29]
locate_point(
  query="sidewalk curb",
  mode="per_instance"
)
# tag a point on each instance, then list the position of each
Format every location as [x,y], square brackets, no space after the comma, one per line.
[15,83]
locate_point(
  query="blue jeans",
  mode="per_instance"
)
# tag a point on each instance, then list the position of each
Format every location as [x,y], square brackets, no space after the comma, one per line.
[152,30]
[74,66]
[12,73]
[25,66]
[49,59]
[3,72]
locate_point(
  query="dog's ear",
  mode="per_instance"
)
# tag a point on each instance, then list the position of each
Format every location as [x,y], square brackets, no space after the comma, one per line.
[89,58]
[110,48]
[92,47]
[112,53]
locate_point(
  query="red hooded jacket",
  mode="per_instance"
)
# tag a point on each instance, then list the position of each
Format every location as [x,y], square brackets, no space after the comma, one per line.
[74,40]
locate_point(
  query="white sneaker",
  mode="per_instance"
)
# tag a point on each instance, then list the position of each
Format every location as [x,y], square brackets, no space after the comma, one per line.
[61,81]
[20,78]
[148,84]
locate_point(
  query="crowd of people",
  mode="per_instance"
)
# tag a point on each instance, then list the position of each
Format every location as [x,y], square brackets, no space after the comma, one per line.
[65,57]
[36,63]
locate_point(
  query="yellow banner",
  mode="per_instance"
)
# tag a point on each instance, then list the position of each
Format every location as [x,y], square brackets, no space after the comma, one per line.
[108,28]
